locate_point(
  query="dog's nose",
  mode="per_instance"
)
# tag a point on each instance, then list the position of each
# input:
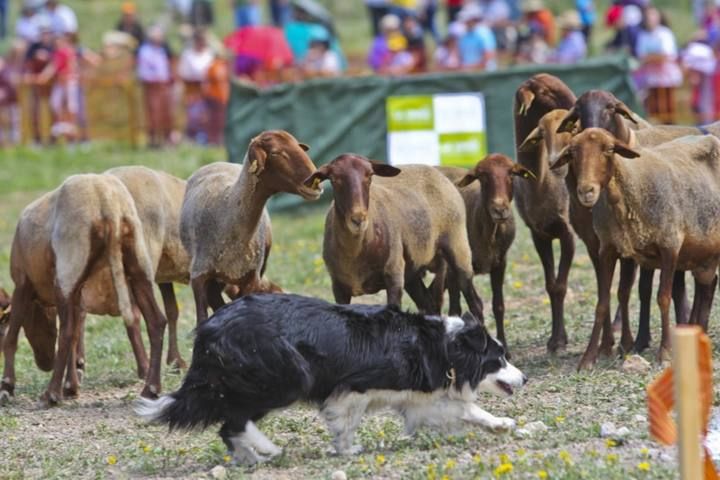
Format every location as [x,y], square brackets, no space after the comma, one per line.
[525,379]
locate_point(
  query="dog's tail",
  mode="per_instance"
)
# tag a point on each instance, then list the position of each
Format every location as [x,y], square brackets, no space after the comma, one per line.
[224,381]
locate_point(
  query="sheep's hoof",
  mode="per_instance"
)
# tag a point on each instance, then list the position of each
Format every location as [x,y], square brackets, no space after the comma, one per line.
[70,391]
[176,363]
[606,350]
[49,399]
[556,345]
[151,392]
[626,347]
[587,363]
[4,397]
[80,375]
[664,355]
[142,372]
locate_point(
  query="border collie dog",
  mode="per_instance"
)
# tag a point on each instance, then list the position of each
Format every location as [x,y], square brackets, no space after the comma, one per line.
[265,352]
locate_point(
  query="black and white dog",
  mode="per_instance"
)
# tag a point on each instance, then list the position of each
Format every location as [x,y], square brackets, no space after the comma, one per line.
[265,352]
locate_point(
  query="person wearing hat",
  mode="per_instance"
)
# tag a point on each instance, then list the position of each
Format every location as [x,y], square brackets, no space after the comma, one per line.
[699,62]
[572,47]
[62,18]
[130,24]
[477,45]
[539,18]
[627,28]
[320,60]
[380,53]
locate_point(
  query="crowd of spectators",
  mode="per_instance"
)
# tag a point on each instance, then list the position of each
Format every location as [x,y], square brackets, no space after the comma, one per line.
[47,59]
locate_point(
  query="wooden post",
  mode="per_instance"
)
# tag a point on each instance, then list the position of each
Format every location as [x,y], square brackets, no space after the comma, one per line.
[687,399]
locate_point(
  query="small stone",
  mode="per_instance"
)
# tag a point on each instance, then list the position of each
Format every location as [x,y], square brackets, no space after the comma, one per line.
[635,364]
[608,430]
[218,472]
[531,429]
[338,475]
[622,433]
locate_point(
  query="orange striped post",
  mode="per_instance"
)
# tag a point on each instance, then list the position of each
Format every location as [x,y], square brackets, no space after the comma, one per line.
[687,384]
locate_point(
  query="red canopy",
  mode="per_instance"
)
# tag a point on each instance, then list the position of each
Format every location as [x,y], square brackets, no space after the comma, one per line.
[267,44]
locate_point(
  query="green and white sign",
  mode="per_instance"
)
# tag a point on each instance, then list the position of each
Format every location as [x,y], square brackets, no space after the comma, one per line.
[442,129]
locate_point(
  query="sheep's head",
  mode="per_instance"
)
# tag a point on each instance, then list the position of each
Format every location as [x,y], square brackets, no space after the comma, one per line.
[597,108]
[544,92]
[545,135]
[591,155]
[351,176]
[41,332]
[495,173]
[281,164]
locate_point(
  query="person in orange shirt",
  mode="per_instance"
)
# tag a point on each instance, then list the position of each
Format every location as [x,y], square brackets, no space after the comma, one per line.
[534,12]
[216,93]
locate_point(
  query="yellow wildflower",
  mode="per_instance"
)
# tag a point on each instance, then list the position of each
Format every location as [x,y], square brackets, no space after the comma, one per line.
[542,474]
[644,466]
[502,469]
[565,456]
[611,457]
[610,443]
[431,471]
[147,449]
[470,435]
[227,458]
[381,434]
[521,452]
[645,452]
[111,459]
[450,464]
[559,419]
[380,460]
[546,301]
[445,477]
[504,458]
[477,459]
[517,284]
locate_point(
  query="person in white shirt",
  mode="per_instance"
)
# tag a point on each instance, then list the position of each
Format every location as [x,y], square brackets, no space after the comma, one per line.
[27,26]
[62,18]
[193,66]
[320,60]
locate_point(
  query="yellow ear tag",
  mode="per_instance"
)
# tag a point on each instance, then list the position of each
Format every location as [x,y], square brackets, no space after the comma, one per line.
[253,166]
[316,184]
[529,174]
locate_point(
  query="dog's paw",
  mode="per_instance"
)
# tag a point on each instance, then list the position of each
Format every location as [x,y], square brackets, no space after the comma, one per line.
[502,424]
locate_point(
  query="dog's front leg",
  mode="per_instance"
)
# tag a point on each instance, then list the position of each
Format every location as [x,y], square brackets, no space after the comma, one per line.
[343,415]
[474,414]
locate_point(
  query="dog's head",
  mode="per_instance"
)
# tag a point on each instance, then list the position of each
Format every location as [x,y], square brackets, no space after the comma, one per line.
[478,360]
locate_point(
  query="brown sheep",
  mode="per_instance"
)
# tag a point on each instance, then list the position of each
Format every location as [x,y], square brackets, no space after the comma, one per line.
[659,206]
[543,204]
[88,234]
[487,190]
[224,225]
[601,109]
[385,233]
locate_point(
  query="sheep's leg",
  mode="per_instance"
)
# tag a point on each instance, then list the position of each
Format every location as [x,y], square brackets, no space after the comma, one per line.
[543,246]
[679,296]
[342,293]
[438,285]
[628,268]
[454,294]
[704,313]
[72,381]
[567,252]
[606,268]
[668,261]
[199,288]
[497,277]
[68,312]
[705,284]
[172,314]
[214,294]
[394,284]
[463,274]
[22,307]
[136,342]
[80,354]
[645,284]
[422,297]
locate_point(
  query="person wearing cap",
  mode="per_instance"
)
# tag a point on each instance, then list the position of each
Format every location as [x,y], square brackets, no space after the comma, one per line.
[699,62]
[129,23]
[62,18]
[572,47]
[380,54]
[539,18]
[37,57]
[320,60]
[155,73]
[477,45]
[627,28]
[659,74]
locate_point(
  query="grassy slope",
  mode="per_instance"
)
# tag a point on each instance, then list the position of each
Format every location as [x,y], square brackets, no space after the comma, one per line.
[89,434]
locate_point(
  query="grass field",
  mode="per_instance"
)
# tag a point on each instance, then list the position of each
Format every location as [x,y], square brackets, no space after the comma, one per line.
[98,436]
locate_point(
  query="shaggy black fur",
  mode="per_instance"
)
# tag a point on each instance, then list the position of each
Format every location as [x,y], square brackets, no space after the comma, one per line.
[264,352]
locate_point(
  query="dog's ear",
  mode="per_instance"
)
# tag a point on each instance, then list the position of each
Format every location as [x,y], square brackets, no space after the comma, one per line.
[469,319]
[474,336]
[453,324]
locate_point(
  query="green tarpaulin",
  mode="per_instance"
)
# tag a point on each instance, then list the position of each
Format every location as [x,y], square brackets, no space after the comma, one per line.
[342,115]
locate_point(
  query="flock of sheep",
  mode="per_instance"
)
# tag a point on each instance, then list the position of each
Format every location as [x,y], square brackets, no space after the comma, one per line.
[640,194]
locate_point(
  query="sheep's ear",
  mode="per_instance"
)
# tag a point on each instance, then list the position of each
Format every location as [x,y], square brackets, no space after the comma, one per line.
[622,110]
[304,146]
[256,156]
[465,180]
[521,171]
[318,176]
[562,159]
[531,141]
[384,170]
[624,151]
[525,101]
[567,125]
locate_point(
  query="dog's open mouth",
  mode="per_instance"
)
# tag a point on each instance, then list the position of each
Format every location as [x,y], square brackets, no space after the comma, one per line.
[505,387]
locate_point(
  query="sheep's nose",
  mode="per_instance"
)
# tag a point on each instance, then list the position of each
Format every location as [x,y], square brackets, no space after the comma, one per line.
[587,193]
[499,211]
[357,219]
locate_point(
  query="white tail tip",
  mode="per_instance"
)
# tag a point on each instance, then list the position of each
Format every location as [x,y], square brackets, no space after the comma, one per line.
[151,410]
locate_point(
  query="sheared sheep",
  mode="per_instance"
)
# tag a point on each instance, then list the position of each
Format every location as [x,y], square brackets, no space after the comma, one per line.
[385,233]
[487,190]
[224,225]
[543,204]
[659,206]
[79,249]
